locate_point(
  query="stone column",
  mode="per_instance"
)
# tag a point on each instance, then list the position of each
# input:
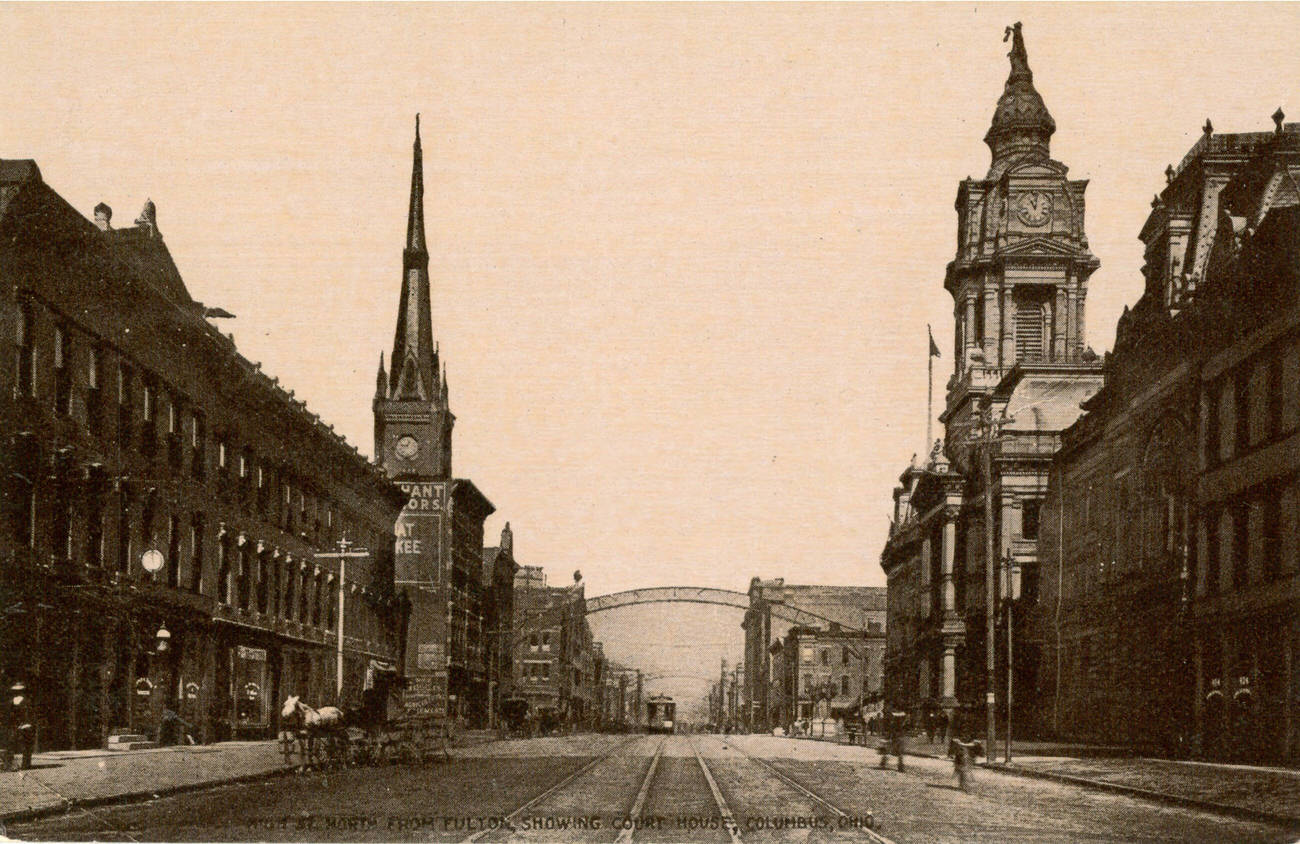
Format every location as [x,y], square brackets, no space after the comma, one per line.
[991,323]
[949,552]
[1058,326]
[1008,328]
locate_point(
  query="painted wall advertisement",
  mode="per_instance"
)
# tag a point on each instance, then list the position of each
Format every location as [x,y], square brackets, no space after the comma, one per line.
[415,535]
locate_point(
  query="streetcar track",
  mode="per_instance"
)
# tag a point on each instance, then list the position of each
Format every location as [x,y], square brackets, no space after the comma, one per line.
[728,819]
[804,790]
[508,825]
[639,803]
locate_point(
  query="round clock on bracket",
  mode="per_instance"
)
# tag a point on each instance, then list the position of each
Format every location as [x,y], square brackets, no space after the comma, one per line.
[408,447]
[1034,208]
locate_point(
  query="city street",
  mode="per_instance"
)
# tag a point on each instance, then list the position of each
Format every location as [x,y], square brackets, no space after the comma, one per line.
[651,788]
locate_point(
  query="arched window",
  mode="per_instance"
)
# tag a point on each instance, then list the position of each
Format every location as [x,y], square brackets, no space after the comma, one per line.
[290,580]
[1168,466]
[1032,331]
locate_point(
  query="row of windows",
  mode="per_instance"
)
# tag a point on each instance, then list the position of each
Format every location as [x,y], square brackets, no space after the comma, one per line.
[1250,540]
[536,671]
[145,410]
[812,684]
[1253,405]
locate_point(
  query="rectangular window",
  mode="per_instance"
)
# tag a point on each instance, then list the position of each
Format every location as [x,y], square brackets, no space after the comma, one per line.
[173,551]
[25,352]
[94,395]
[826,657]
[196,554]
[62,373]
[149,422]
[123,531]
[198,447]
[1240,544]
[1030,512]
[1272,536]
[1241,398]
[95,505]
[844,656]
[1274,395]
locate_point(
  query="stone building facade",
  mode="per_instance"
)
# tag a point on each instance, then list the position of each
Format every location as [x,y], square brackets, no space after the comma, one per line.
[1170,533]
[828,672]
[499,571]
[555,657]
[1019,284]
[774,608]
[439,535]
[134,436]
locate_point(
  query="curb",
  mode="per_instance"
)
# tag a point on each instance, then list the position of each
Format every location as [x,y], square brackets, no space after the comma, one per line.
[39,812]
[1243,812]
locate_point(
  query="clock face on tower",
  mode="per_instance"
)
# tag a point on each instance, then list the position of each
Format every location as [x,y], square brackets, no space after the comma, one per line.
[1034,208]
[408,447]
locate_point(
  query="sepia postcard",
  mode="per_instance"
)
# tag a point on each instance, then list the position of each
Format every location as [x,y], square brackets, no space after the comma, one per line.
[612,422]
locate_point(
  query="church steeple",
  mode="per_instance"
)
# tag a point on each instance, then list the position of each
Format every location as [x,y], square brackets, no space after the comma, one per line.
[1021,122]
[414,374]
[413,418]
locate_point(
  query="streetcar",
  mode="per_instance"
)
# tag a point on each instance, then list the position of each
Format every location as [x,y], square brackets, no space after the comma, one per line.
[660,714]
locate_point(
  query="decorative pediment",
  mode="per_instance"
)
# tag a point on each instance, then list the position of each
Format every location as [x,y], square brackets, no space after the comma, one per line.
[1035,247]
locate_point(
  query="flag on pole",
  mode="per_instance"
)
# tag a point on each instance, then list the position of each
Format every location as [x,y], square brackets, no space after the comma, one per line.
[934,349]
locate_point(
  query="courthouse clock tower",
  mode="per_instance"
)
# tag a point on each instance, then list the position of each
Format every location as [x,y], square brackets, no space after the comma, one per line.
[1020,276]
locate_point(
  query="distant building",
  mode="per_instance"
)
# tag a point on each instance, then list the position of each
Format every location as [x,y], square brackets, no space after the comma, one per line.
[554,659]
[1019,282]
[499,571]
[775,607]
[1171,580]
[439,535]
[833,672]
[134,435]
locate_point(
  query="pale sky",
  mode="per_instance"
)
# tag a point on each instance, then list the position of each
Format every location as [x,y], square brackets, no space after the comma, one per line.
[683,256]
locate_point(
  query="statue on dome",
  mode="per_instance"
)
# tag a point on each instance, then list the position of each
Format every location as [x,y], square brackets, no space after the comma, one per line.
[1019,58]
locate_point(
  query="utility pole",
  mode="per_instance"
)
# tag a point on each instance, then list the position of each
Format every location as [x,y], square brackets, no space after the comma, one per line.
[342,556]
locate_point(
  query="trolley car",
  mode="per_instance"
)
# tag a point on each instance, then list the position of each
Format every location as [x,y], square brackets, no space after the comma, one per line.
[660,714]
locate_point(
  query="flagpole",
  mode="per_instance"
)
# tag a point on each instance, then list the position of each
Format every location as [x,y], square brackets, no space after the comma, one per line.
[929,393]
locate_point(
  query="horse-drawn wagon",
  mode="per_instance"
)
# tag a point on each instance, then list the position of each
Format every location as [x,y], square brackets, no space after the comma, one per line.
[362,736]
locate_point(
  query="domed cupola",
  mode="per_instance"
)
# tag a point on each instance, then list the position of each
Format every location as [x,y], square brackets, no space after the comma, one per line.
[1021,122]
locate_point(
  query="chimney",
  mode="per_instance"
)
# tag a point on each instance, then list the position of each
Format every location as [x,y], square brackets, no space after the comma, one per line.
[148,218]
[508,540]
[103,216]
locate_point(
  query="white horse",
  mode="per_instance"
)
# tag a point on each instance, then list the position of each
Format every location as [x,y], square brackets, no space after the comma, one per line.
[328,723]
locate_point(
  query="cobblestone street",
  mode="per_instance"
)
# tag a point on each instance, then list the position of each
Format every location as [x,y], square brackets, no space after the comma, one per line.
[653,788]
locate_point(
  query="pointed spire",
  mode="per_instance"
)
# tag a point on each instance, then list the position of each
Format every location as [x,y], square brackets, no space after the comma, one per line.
[415,217]
[414,360]
[381,380]
[1021,123]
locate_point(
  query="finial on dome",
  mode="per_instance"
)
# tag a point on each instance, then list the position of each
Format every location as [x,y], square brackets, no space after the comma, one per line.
[1208,128]
[1278,117]
[1019,57]
[1169,174]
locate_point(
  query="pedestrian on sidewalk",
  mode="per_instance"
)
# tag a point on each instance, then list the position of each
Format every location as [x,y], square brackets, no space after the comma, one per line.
[961,761]
[895,723]
[22,732]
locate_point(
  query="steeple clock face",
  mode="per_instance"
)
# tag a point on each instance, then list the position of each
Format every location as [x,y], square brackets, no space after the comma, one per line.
[408,448]
[1034,208]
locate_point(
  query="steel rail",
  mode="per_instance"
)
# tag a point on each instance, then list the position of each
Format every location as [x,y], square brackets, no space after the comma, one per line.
[728,819]
[804,790]
[508,826]
[639,803]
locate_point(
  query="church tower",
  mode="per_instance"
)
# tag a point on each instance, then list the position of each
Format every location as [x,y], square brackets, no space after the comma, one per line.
[1020,276]
[413,420]
[438,538]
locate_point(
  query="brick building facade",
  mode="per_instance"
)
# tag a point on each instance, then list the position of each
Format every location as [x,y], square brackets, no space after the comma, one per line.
[133,435]
[1170,605]
[828,672]
[774,608]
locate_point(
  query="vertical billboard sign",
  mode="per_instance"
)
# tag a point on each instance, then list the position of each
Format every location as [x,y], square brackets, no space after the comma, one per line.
[418,557]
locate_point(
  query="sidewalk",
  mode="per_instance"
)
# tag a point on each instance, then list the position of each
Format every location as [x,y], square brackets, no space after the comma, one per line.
[1252,792]
[62,779]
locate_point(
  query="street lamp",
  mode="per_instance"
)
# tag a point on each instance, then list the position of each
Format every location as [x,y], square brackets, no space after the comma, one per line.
[162,640]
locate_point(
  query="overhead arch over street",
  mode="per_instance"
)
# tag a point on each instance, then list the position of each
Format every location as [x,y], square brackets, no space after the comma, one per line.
[699,595]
